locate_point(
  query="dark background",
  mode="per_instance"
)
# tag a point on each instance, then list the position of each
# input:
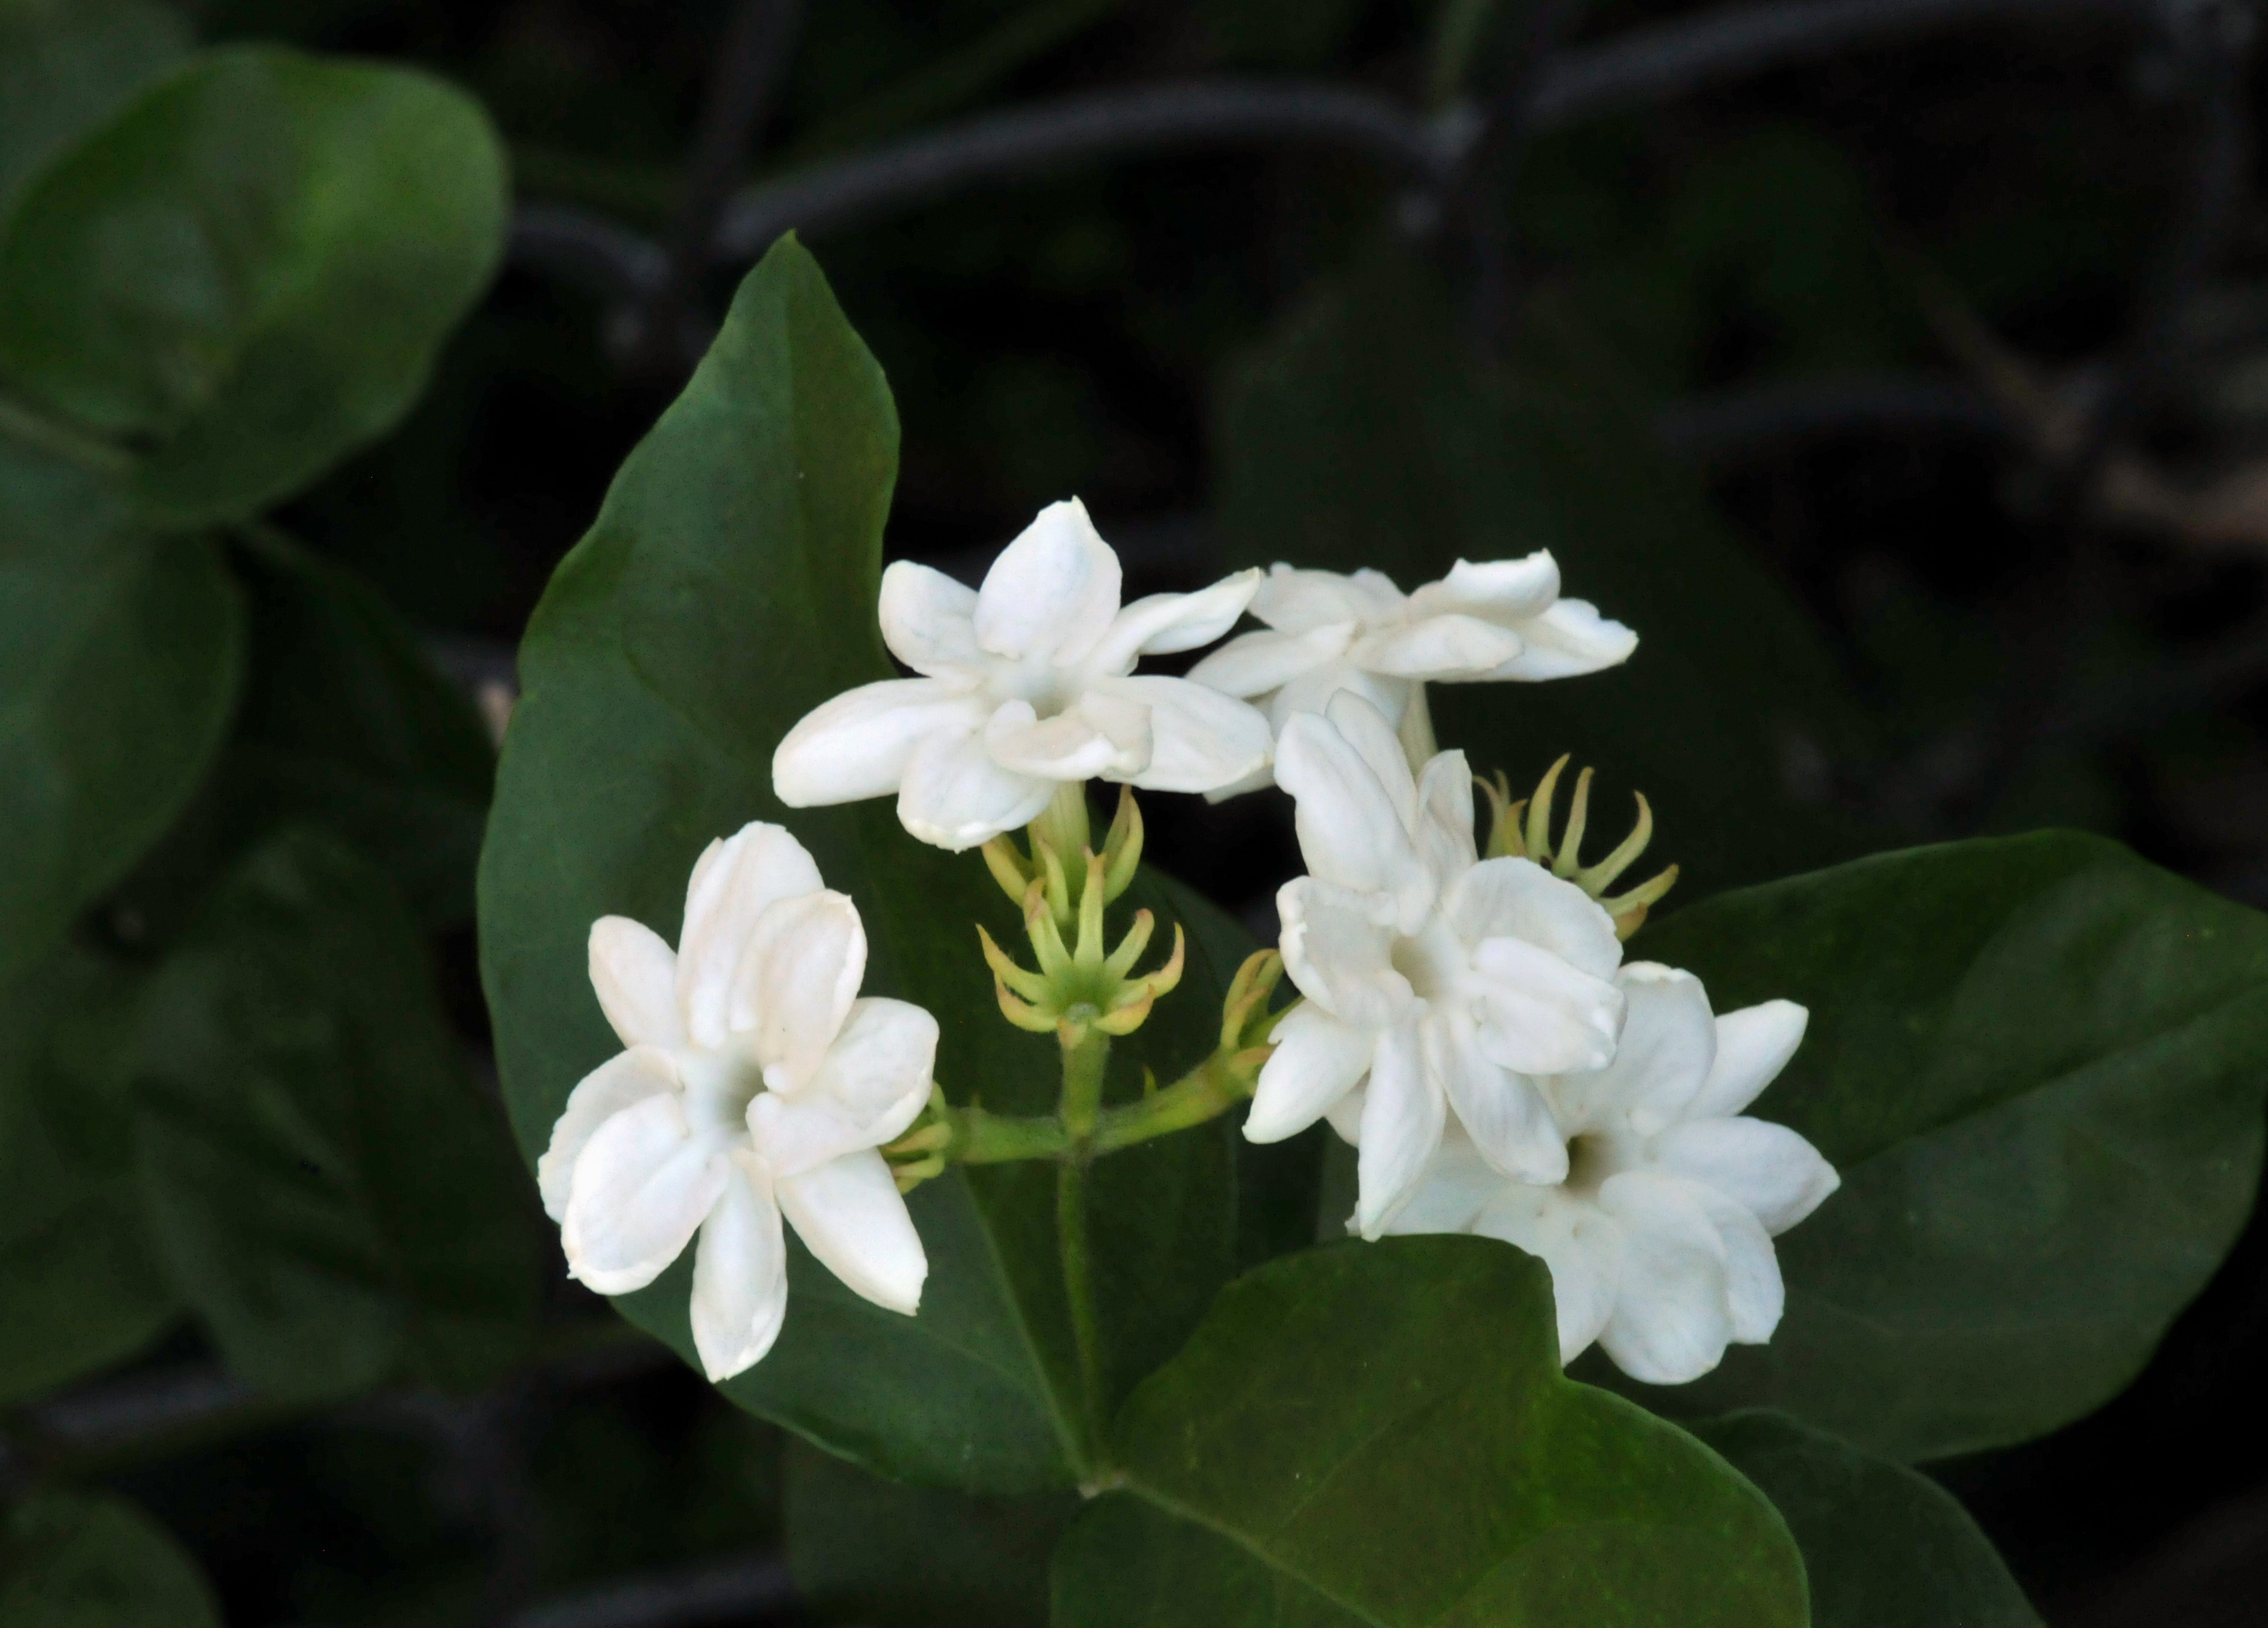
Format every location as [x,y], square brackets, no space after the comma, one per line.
[1959,314]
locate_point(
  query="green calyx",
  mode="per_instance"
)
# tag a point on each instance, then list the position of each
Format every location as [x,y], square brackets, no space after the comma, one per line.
[1057,841]
[1510,834]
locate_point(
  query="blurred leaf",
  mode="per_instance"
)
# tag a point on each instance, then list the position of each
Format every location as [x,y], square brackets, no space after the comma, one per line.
[347,722]
[729,586]
[1362,435]
[1883,1547]
[871,1552]
[66,66]
[2037,1062]
[1379,1434]
[1278,34]
[246,273]
[326,1186]
[80,1288]
[118,664]
[71,1561]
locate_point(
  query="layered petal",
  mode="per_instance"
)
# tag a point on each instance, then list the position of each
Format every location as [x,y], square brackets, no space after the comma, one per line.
[929,621]
[1252,664]
[1052,593]
[1582,1247]
[850,1213]
[739,1275]
[634,974]
[1299,601]
[1366,727]
[1066,746]
[858,745]
[1503,1113]
[1457,1185]
[1162,623]
[1402,1116]
[643,1183]
[1767,1170]
[734,883]
[1539,1015]
[954,796]
[1312,692]
[802,970]
[1340,954]
[872,1085]
[1755,1296]
[1200,740]
[1753,1045]
[1317,1060]
[1444,831]
[1506,592]
[621,1081]
[1507,898]
[1350,829]
[1671,1321]
[1668,1042]
[1438,647]
[1569,639]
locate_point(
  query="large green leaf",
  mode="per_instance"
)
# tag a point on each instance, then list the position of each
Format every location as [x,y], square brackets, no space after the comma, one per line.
[871,1552]
[727,588]
[1364,434]
[118,663]
[1380,1435]
[2037,1062]
[246,273]
[326,1186]
[67,65]
[1884,1547]
[80,1288]
[69,1561]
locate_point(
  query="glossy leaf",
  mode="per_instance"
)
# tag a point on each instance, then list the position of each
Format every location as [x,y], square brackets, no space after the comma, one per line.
[1379,1434]
[728,587]
[1884,1546]
[2037,1062]
[870,1551]
[67,65]
[327,1188]
[1364,435]
[246,273]
[72,1561]
[118,664]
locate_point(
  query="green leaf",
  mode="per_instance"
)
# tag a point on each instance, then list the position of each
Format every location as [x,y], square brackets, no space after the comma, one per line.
[2037,1062]
[870,1551]
[1379,1434]
[66,66]
[71,1561]
[728,587]
[118,664]
[1364,435]
[80,1288]
[1884,1547]
[245,275]
[327,1188]
[347,723]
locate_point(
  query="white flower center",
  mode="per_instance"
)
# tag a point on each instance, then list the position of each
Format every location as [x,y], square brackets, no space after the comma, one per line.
[1049,688]
[1434,961]
[718,1087]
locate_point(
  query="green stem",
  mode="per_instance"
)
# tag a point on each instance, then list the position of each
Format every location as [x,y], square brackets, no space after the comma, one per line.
[1064,825]
[1206,1091]
[1083,1065]
[61,441]
[983,1139]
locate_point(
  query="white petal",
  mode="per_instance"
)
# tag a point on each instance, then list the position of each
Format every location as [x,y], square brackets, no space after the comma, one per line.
[1053,592]
[739,1275]
[803,964]
[1438,647]
[1670,1322]
[1538,1015]
[1579,1242]
[1065,747]
[1444,832]
[858,745]
[1668,1041]
[954,795]
[1314,691]
[1252,664]
[621,1081]
[634,972]
[1754,1294]
[850,1213]
[1507,898]
[1449,1196]
[1299,601]
[1567,640]
[1501,591]
[1349,830]
[1344,1117]
[1503,1113]
[928,620]
[1163,623]
[1753,1045]
[872,1085]
[1317,1060]
[1340,954]
[735,881]
[642,1184]
[1366,728]
[1767,1170]
[1200,740]
[1401,1122]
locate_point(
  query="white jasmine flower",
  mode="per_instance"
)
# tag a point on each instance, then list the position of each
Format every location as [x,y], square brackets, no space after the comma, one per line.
[1445,980]
[1326,632]
[1659,1238]
[1027,683]
[756,1084]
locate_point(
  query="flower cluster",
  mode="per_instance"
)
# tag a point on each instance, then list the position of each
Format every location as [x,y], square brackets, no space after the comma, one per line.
[1466,1019]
